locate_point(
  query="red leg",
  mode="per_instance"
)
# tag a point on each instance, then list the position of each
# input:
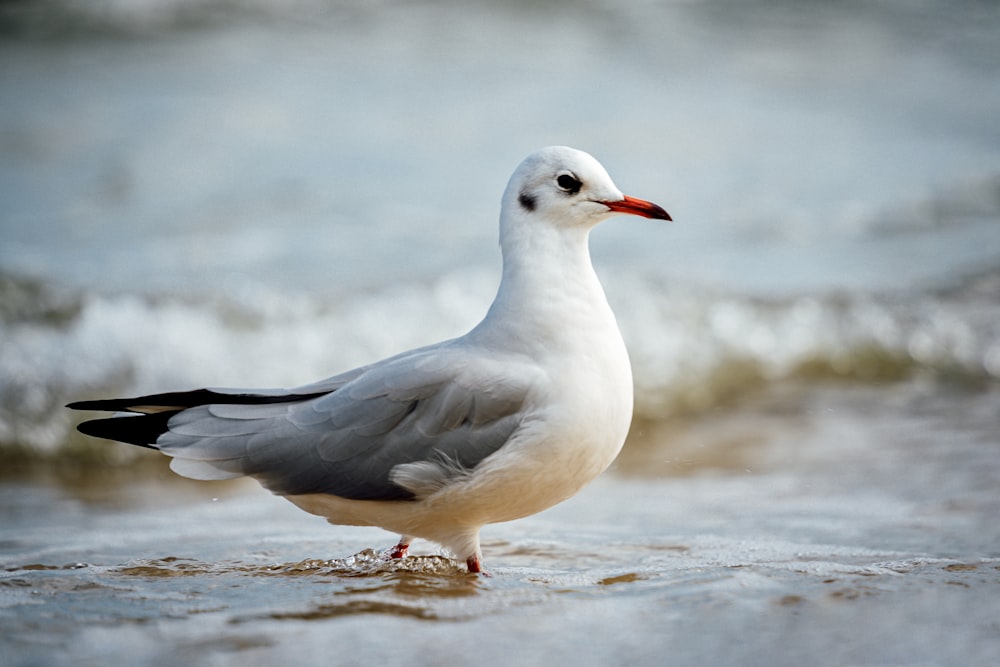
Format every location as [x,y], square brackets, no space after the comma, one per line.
[399,551]
[474,564]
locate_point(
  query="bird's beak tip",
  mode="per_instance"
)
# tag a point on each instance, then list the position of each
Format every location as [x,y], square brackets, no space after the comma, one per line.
[640,207]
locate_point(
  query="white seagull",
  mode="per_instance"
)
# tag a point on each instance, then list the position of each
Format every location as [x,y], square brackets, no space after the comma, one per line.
[511,418]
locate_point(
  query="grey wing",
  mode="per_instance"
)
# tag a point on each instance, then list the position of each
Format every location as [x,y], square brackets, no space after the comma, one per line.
[398,430]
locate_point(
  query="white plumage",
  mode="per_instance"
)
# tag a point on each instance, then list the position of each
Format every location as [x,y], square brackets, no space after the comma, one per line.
[509,419]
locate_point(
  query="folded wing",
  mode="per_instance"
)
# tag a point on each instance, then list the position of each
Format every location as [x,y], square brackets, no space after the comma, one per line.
[392,431]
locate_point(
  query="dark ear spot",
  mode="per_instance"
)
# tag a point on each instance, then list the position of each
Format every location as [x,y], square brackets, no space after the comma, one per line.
[527,201]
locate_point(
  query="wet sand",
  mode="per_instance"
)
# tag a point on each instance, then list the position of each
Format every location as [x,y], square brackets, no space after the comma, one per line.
[828,525]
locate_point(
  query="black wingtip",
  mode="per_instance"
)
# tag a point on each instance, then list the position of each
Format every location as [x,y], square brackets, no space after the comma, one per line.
[169,401]
[180,400]
[151,413]
[141,430]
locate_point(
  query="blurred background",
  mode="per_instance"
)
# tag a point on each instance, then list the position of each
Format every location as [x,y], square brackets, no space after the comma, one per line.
[203,192]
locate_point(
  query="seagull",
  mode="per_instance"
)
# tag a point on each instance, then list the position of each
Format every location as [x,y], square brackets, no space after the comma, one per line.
[503,422]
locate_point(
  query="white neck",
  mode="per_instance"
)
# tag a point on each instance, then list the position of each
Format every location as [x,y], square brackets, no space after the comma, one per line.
[548,291]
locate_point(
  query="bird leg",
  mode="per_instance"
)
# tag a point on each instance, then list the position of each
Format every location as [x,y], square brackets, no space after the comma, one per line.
[474,564]
[399,551]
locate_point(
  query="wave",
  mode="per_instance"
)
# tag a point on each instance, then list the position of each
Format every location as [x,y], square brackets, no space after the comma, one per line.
[697,349]
[692,348]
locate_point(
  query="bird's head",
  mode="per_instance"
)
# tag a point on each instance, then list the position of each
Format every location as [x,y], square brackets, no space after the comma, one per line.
[569,188]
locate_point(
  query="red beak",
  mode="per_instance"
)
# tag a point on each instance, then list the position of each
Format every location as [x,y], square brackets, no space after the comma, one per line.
[634,206]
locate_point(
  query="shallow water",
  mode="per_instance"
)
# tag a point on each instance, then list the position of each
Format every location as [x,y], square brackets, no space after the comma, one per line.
[195,194]
[856,526]
[264,194]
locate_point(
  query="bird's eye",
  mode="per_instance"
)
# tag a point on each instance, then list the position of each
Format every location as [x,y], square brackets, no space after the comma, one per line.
[568,182]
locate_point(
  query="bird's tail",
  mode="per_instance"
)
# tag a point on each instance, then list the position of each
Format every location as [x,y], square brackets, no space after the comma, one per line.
[146,418]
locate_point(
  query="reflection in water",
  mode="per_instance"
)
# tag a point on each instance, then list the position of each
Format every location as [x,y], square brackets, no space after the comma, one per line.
[366,583]
[368,563]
